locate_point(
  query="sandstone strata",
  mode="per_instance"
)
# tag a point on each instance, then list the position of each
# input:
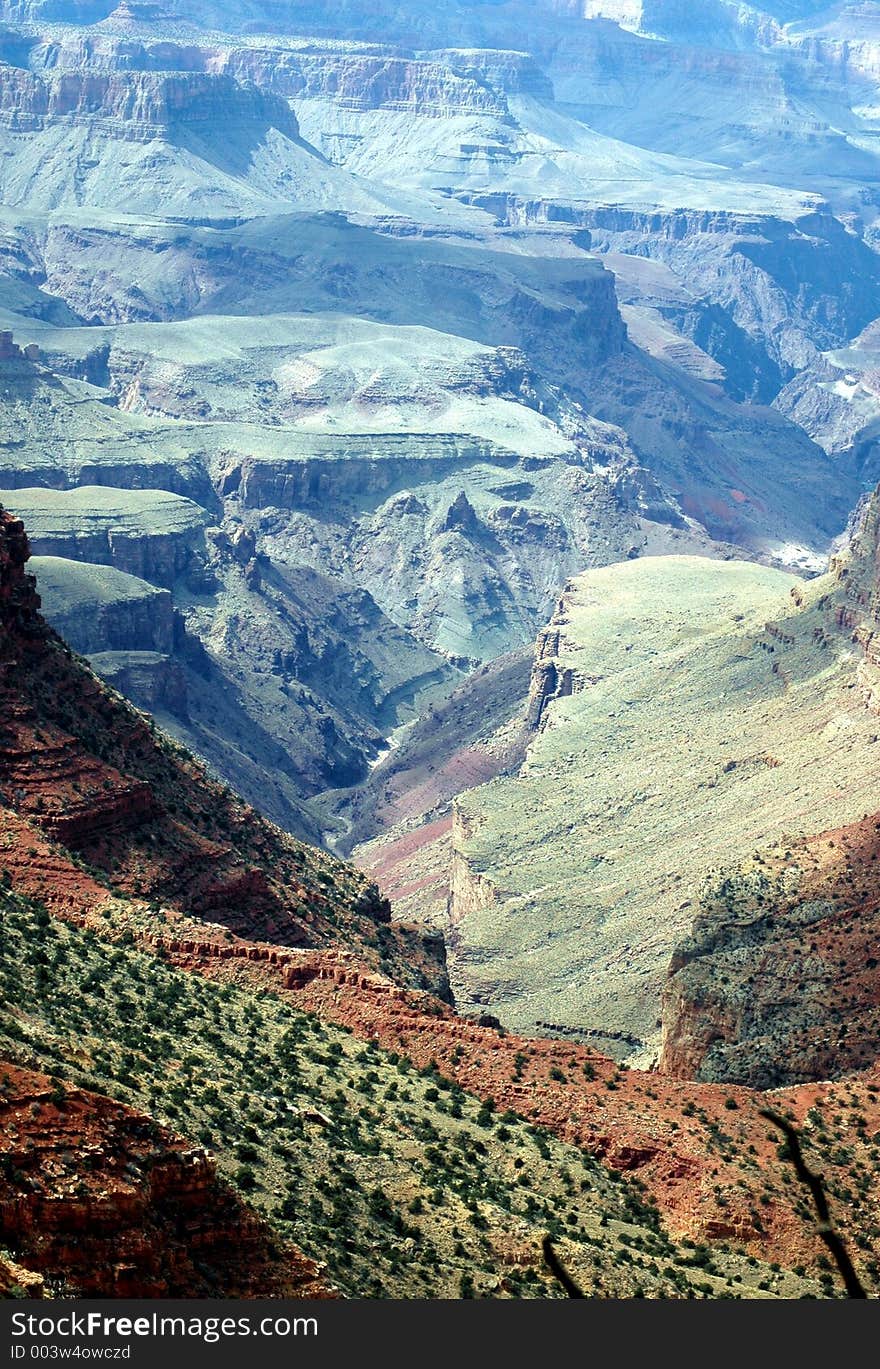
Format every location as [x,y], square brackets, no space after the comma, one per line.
[105,1203]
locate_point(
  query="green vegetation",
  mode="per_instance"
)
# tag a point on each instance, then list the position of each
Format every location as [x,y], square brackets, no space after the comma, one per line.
[606,829]
[365,1162]
[401,1182]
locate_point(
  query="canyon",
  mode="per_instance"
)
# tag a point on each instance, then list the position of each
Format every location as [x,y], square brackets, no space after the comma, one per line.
[768,726]
[438,594]
[107,965]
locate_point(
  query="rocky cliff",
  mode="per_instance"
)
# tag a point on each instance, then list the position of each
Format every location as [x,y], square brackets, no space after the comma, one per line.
[777,983]
[97,608]
[755,269]
[154,536]
[99,1201]
[139,105]
[436,84]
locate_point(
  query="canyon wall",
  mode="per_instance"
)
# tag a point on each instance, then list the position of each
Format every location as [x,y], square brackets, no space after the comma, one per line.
[108,1204]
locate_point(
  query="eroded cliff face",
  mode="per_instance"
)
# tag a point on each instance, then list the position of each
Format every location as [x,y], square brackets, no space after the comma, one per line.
[138,105]
[99,1201]
[440,83]
[155,536]
[762,294]
[19,601]
[99,609]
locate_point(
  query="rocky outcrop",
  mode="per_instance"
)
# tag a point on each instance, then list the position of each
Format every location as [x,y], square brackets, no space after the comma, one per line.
[151,535]
[514,73]
[102,1202]
[469,890]
[429,88]
[855,600]
[352,465]
[14,357]
[152,681]
[19,601]
[98,609]
[137,105]
[778,982]
[551,677]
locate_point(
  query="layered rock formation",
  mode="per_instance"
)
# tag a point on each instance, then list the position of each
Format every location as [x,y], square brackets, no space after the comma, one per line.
[99,609]
[153,535]
[96,780]
[98,1201]
[87,771]
[140,106]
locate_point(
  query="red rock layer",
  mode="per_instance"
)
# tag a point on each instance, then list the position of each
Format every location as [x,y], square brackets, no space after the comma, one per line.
[780,987]
[100,1201]
[702,1151]
[89,772]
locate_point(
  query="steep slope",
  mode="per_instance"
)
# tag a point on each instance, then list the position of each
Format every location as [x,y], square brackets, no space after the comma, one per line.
[228,1029]
[671,698]
[130,143]
[459,742]
[98,1200]
[778,980]
[98,608]
[836,401]
[305,1122]
[83,768]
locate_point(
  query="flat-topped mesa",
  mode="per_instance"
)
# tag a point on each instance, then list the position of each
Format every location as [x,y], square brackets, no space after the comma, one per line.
[150,534]
[19,601]
[137,104]
[365,81]
[453,83]
[430,84]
